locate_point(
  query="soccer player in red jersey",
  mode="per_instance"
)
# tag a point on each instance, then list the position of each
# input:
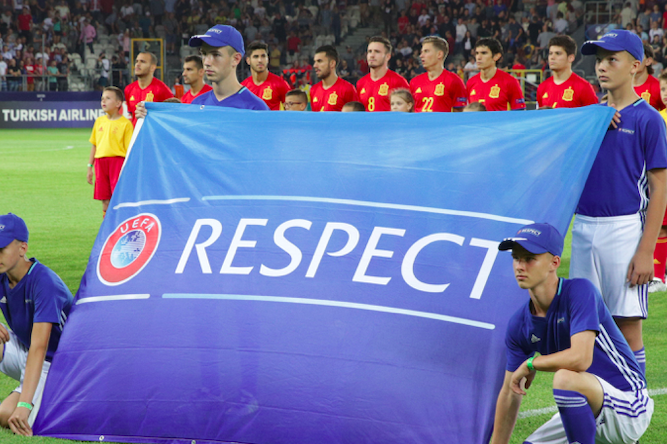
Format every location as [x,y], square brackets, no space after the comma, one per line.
[193,75]
[496,89]
[564,89]
[437,90]
[646,86]
[146,88]
[264,84]
[376,86]
[332,92]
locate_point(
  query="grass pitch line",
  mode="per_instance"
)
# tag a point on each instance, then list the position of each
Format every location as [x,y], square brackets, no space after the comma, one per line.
[553,409]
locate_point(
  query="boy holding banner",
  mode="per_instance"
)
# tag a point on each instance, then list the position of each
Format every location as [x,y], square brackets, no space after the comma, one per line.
[598,385]
[616,225]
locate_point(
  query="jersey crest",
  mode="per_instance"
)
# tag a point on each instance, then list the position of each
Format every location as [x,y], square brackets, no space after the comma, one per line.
[495,92]
[384,89]
[568,94]
[646,96]
[333,98]
[418,90]
[439,89]
[149,97]
[268,93]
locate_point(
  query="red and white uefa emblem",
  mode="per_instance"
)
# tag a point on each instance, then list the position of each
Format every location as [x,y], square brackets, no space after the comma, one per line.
[128,249]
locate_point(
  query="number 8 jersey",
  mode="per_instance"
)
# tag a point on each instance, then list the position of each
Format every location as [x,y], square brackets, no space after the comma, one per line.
[442,94]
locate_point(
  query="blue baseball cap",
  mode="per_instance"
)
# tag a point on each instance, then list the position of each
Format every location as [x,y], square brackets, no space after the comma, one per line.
[616,40]
[219,36]
[12,228]
[537,239]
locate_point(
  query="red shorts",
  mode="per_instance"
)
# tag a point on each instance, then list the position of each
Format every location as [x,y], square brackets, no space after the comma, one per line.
[107,171]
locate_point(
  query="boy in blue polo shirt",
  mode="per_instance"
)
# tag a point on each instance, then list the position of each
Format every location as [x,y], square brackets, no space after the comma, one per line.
[598,386]
[35,303]
[616,225]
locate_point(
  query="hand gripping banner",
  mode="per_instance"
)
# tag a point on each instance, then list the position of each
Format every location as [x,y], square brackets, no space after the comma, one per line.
[310,278]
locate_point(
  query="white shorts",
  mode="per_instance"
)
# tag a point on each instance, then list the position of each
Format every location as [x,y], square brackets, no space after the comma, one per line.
[624,418]
[14,358]
[602,248]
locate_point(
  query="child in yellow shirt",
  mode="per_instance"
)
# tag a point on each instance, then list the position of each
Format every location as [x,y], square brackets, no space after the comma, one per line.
[110,138]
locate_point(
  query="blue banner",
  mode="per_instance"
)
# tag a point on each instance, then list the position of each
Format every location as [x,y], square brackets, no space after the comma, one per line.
[310,277]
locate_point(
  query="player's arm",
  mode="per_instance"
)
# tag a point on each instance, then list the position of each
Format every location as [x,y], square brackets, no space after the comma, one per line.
[91,161]
[39,343]
[507,410]
[517,101]
[576,358]
[640,270]
[459,95]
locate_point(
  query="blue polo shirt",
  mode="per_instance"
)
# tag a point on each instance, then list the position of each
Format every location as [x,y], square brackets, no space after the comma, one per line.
[41,296]
[576,307]
[618,183]
[243,99]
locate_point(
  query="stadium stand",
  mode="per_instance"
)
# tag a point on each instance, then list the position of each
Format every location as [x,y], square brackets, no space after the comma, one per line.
[91,39]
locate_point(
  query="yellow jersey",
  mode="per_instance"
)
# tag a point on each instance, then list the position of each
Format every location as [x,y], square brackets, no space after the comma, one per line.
[111,137]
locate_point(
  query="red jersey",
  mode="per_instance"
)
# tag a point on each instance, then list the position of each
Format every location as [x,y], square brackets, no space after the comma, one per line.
[650,91]
[272,90]
[442,94]
[156,91]
[572,93]
[375,94]
[501,92]
[333,98]
[188,97]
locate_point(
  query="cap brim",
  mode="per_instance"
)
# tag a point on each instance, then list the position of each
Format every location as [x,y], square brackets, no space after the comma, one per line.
[591,47]
[196,40]
[508,244]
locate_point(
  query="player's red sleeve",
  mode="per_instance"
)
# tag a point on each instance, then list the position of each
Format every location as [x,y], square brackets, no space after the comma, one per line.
[588,96]
[402,83]
[540,93]
[459,93]
[353,96]
[516,95]
[130,106]
[166,93]
[284,90]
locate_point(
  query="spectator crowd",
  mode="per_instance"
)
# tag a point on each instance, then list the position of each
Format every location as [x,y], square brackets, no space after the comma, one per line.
[44,41]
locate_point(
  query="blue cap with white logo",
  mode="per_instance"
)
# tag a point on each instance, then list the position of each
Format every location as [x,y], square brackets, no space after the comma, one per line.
[219,36]
[616,40]
[12,228]
[537,239]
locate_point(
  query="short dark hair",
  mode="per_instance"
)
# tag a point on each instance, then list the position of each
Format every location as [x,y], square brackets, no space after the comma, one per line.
[329,51]
[384,41]
[356,106]
[439,43]
[153,56]
[648,52]
[117,90]
[196,59]
[566,42]
[493,44]
[298,93]
[475,106]
[254,46]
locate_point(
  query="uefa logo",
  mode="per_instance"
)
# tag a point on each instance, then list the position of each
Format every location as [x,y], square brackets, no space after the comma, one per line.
[128,249]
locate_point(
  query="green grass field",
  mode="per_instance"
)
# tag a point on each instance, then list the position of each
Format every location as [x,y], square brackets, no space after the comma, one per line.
[43,179]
